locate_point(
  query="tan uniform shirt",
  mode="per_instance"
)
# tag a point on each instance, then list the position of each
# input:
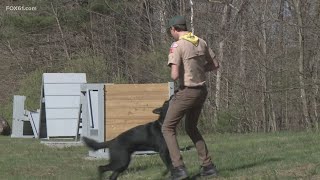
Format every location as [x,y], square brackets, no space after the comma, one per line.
[191,60]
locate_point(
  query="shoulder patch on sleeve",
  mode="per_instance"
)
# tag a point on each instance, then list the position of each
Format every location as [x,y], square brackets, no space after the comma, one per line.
[173,46]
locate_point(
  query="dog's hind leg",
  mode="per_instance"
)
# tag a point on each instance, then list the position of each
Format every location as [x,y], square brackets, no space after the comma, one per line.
[114,175]
[102,169]
[109,167]
[117,166]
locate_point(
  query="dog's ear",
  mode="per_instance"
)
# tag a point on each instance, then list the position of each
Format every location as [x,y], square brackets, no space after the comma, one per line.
[157,110]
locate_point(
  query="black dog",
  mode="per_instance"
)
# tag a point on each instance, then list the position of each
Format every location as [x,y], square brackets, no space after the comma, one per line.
[147,137]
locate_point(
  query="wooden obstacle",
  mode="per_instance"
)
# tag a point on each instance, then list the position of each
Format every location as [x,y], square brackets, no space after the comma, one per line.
[130,105]
[124,106]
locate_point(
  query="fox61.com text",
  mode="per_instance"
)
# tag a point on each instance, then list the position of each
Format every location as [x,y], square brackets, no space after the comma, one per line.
[20,8]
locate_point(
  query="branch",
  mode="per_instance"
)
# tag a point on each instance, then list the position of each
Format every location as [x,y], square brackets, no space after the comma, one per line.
[61,33]
[191,19]
[19,64]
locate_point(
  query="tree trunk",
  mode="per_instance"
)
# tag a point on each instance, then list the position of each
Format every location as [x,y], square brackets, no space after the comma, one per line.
[147,5]
[162,18]
[315,92]
[242,61]
[284,101]
[191,18]
[315,77]
[273,123]
[224,29]
[301,65]
[264,72]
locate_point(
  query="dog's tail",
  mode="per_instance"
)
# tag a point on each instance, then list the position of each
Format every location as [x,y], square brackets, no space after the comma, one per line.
[95,145]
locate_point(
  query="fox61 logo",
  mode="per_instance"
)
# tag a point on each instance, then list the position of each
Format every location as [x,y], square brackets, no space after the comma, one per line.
[20,8]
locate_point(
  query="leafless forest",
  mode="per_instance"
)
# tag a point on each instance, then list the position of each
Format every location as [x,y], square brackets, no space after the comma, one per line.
[269,52]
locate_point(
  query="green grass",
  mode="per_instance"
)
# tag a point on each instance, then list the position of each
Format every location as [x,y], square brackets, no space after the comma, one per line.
[285,155]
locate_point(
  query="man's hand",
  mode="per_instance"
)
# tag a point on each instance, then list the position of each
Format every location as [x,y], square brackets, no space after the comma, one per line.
[212,65]
[216,63]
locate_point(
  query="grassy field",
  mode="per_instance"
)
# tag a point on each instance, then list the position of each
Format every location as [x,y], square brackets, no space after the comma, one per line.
[237,156]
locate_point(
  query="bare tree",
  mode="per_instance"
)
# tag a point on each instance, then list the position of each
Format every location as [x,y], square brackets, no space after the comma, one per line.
[224,29]
[61,33]
[305,110]
[191,18]
[264,69]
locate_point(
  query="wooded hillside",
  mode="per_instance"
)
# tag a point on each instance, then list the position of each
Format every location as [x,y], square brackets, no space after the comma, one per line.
[269,52]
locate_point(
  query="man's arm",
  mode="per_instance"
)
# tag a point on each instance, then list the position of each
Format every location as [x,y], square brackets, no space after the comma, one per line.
[174,71]
[174,60]
[212,61]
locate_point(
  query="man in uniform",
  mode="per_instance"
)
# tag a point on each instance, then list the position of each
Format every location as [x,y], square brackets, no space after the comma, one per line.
[189,58]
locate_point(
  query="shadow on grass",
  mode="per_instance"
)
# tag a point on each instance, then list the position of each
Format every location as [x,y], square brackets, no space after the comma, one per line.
[250,165]
[243,166]
[197,176]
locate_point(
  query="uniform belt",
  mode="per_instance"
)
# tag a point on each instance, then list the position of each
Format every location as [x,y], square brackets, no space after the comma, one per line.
[192,87]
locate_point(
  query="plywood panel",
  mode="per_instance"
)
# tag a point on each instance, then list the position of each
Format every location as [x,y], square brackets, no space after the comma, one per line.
[136,103]
[130,111]
[141,96]
[130,105]
[126,117]
[123,88]
[121,121]
[117,92]
[114,130]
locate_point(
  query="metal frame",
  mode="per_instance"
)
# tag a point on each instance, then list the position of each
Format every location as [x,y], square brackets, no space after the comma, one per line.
[23,124]
[171,88]
[87,131]
[61,95]
[18,116]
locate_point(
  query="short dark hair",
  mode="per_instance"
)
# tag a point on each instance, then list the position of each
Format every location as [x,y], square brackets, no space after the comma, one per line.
[180,27]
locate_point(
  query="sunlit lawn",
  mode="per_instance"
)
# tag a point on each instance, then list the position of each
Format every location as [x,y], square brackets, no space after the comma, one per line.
[237,156]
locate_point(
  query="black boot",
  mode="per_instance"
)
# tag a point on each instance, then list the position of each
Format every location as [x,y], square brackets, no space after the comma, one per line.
[209,170]
[179,173]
